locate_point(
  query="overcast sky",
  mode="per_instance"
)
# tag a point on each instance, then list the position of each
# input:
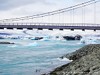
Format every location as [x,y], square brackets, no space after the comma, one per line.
[19,8]
[30,7]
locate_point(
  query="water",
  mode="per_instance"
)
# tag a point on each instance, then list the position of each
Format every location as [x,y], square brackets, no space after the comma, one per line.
[29,57]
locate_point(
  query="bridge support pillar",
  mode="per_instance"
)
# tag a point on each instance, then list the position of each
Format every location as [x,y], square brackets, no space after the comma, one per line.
[94,29]
[83,29]
[1,28]
[20,28]
[72,29]
[40,28]
[10,28]
[60,29]
[29,28]
[50,29]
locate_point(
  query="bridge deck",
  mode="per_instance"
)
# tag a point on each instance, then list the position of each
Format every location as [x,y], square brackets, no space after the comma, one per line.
[49,27]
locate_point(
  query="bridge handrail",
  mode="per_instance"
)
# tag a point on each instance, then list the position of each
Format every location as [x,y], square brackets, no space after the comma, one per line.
[53,24]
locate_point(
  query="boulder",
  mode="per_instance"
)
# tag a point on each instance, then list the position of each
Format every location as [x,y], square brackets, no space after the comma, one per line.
[69,37]
[77,37]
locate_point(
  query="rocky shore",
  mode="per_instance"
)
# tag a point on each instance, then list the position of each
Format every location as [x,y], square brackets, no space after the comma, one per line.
[86,61]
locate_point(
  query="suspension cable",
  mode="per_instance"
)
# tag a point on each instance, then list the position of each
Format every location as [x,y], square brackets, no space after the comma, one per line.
[94,13]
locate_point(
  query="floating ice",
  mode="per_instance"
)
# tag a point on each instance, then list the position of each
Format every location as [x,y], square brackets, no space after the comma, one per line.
[45,39]
[32,44]
[64,59]
[13,46]
[89,40]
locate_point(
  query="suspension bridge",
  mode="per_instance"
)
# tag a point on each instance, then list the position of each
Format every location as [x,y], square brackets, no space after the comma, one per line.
[66,18]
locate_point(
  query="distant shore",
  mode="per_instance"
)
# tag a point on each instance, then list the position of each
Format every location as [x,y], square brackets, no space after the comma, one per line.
[86,61]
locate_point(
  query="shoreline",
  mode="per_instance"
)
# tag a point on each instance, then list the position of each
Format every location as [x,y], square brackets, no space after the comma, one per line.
[86,61]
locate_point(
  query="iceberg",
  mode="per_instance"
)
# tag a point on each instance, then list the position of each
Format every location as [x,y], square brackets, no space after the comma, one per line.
[32,44]
[88,40]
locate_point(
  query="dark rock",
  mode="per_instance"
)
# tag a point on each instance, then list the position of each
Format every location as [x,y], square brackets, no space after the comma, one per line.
[77,37]
[38,38]
[86,61]
[81,52]
[14,38]
[57,36]
[69,37]
[6,43]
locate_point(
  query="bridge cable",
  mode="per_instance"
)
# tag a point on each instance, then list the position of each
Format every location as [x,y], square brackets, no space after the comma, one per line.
[65,17]
[70,16]
[83,16]
[94,13]
[73,15]
[59,17]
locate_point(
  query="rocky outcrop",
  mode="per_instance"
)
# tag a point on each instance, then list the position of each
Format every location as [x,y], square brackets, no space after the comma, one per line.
[69,37]
[6,43]
[86,61]
[77,37]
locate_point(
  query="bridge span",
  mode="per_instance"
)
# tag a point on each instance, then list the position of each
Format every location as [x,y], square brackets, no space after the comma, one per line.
[51,26]
[67,18]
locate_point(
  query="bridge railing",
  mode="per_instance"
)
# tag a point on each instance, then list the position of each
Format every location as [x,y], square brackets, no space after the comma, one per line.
[53,24]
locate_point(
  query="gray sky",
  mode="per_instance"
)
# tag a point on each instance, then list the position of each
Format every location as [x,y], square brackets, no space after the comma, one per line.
[12,4]
[26,7]
[19,8]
